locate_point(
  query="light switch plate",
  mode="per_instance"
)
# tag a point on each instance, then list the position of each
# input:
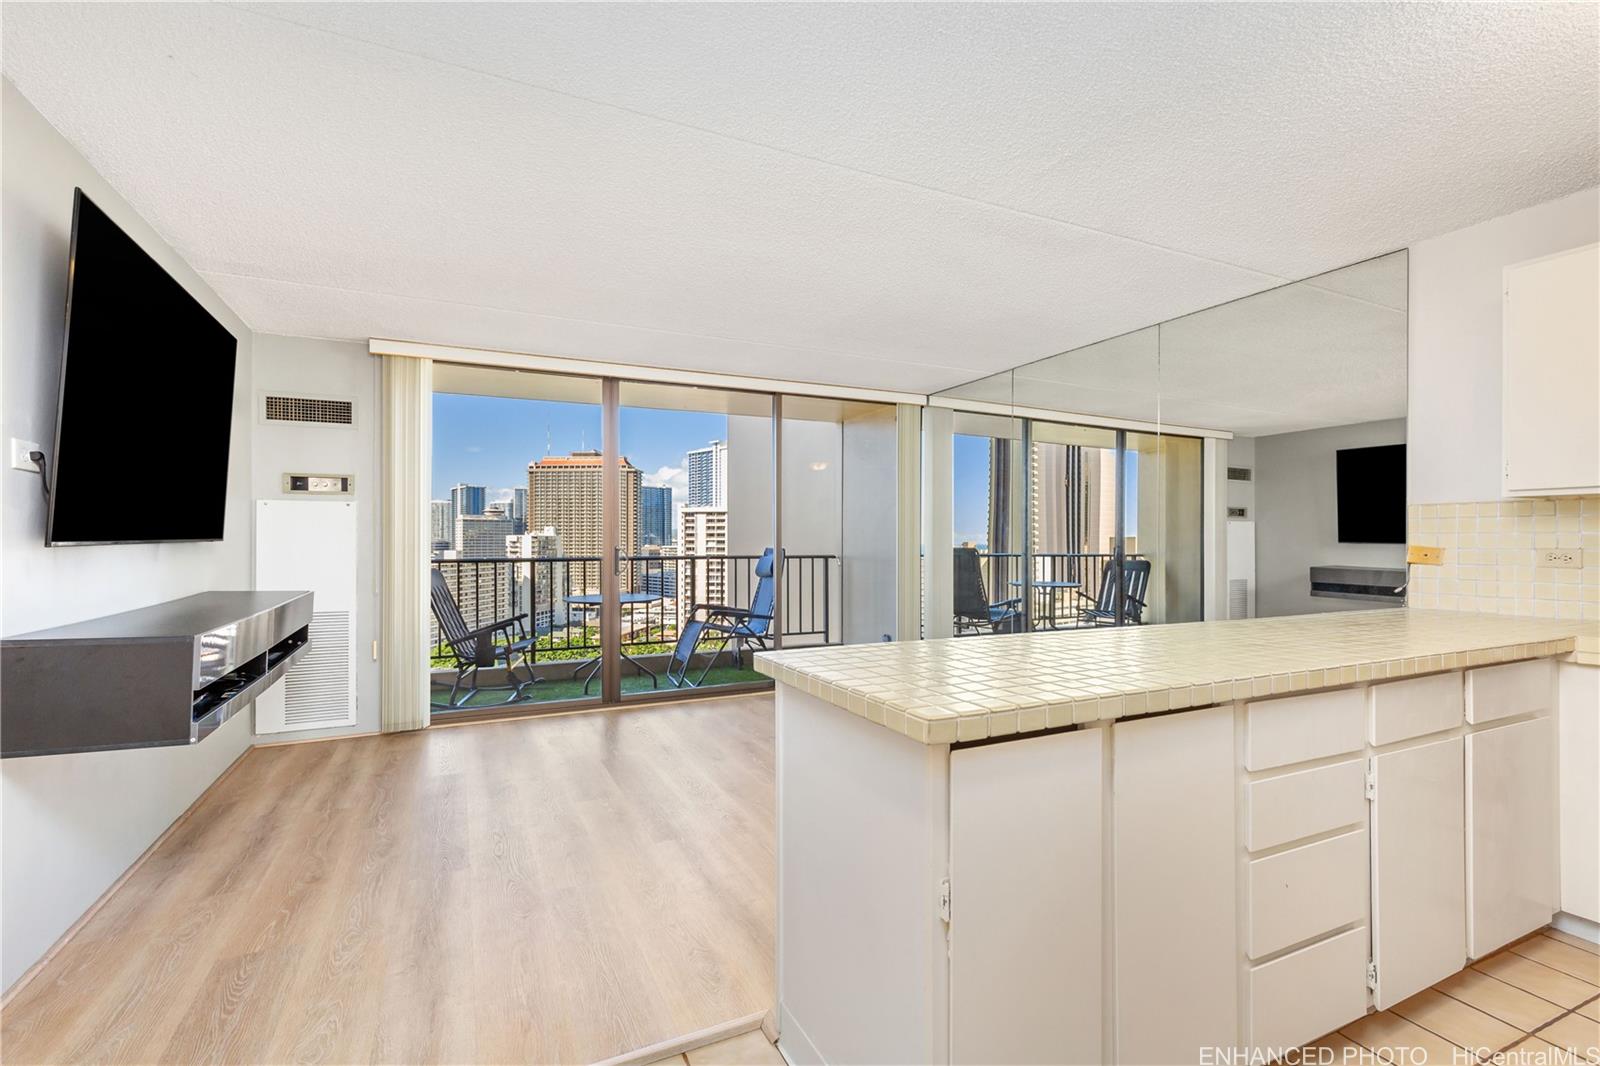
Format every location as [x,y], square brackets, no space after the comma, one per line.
[19,455]
[1419,553]
[1562,558]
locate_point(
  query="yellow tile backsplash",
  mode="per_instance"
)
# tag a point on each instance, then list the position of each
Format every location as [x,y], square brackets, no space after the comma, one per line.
[1491,557]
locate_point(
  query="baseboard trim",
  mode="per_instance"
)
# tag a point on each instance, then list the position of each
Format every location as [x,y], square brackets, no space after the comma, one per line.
[94,908]
[688,1042]
[1577,926]
[312,740]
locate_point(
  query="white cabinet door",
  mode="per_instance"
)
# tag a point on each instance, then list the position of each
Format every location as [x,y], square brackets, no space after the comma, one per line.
[1025,900]
[1579,744]
[1173,829]
[1551,374]
[1511,830]
[1418,873]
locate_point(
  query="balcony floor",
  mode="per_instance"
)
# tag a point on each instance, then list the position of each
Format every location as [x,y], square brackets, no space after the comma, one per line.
[556,690]
[558,889]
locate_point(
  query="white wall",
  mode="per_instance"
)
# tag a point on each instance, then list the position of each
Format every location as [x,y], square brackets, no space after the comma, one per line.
[71,824]
[1454,358]
[299,366]
[1297,517]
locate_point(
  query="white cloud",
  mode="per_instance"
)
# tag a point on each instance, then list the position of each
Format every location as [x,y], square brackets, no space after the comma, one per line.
[674,477]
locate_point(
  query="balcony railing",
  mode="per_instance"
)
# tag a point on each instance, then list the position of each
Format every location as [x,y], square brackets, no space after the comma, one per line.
[1053,607]
[559,595]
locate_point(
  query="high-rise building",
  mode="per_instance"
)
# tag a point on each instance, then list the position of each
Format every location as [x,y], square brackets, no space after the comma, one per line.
[1075,498]
[708,475]
[468,499]
[482,591]
[655,516]
[564,494]
[483,536]
[703,531]
[519,509]
[441,525]
[538,586]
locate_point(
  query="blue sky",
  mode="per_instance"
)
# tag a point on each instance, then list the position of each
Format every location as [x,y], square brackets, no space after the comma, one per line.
[489,440]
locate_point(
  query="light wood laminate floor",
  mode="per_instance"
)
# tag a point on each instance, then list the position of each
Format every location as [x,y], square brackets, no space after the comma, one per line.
[551,890]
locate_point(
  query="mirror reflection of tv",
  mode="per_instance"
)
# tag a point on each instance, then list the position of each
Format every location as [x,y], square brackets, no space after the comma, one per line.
[1372,494]
[146,399]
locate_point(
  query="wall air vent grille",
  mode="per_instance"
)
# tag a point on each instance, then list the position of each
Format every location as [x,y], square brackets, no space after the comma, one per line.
[1238,473]
[1239,598]
[310,409]
[317,688]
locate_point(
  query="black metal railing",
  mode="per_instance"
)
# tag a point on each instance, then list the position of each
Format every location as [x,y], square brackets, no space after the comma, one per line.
[1064,582]
[560,595]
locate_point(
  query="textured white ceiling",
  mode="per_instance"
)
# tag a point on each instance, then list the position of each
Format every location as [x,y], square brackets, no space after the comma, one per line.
[880,194]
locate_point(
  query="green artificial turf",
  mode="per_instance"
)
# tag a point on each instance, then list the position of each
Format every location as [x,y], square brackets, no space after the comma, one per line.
[555,690]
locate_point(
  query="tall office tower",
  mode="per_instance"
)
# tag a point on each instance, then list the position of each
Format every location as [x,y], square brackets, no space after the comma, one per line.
[1073,494]
[708,475]
[519,509]
[564,494]
[538,586]
[703,531]
[468,499]
[441,525]
[482,536]
[655,516]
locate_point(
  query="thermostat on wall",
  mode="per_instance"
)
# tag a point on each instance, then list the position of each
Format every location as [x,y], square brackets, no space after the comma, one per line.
[319,484]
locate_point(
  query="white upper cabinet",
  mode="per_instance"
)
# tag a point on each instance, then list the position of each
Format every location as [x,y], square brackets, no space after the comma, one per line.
[1551,443]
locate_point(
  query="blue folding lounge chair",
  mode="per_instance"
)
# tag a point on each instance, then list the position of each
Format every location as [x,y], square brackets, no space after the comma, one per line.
[735,627]
[974,612]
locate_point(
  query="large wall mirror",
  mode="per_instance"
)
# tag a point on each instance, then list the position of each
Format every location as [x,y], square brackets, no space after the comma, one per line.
[1245,460]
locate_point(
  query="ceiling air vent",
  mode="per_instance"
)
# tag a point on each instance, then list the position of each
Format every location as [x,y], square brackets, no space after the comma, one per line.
[309,409]
[1238,473]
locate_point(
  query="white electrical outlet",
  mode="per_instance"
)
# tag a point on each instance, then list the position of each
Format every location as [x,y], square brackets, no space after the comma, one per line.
[1562,558]
[19,455]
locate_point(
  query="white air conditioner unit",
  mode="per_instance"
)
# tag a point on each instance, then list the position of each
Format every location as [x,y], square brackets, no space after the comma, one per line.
[1241,569]
[311,544]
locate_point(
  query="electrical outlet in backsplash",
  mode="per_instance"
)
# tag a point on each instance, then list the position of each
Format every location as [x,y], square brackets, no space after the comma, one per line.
[1510,557]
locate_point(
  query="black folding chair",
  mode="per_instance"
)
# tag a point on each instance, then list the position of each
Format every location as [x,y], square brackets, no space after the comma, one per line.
[974,612]
[1135,582]
[473,649]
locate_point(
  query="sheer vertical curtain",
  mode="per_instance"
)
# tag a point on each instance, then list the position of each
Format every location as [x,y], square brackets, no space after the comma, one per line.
[407,476]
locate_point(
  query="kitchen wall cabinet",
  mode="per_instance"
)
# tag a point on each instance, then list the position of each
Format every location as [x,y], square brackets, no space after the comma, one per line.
[1551,375]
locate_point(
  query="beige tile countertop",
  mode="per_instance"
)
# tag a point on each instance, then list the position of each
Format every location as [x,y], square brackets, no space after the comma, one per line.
[969,688]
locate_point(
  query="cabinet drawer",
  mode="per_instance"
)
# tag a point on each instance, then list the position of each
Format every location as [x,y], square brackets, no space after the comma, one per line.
[1306,891]
[1514,688]
[1302,728]
[1308,993]
[1400,710]
[1303,804]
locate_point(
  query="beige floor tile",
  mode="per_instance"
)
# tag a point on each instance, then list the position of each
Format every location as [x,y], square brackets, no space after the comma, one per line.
[1575,941]
[1537,978]
[1336,1048]
[1397,1040]
[1590,1010]
[1458,1023]
[1536,1052]
[1558,956]
[1499,1000]
[1577,1034]
[746,1049]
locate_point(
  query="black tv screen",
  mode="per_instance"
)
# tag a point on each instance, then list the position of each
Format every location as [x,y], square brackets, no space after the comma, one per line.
[1372,494]
[146,399]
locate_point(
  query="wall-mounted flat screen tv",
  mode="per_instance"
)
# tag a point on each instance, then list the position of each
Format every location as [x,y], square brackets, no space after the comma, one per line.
[146,399]
[1372,494]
